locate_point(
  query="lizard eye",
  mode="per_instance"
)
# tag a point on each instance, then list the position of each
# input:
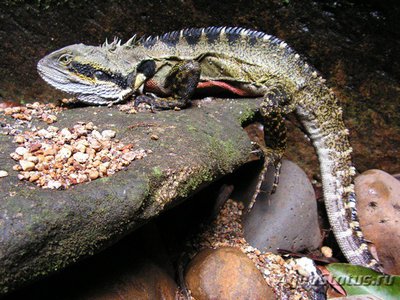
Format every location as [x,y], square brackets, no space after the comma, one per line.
[99,74]
[65,59]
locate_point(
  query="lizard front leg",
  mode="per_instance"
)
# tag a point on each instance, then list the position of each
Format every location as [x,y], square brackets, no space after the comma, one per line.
[175,88]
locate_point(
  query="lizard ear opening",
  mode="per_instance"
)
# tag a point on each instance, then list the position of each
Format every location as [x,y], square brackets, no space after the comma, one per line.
[147,68]
[130,79]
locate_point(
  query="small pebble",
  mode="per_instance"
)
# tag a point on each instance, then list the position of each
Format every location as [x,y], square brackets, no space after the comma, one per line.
[81,148]
[58,158]
[154,137]
[53,184]
[80,130]
[81,157]
[21,150]
[64,153]
[15,156]
[52,128]
[66,133]
[19,139]
[102,169]
[35,147]
[93,174]
[34,177]
[97,135]
[44,133]
[49,151]
[108,134]
[326,251]
[27,165]
[129,156]
[3,173]
[89,126]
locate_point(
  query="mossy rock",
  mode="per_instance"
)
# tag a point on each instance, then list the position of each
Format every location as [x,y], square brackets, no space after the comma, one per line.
[45,230]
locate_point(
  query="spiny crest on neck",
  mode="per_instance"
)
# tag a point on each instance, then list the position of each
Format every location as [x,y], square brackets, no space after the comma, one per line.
[117,43]
[192,36]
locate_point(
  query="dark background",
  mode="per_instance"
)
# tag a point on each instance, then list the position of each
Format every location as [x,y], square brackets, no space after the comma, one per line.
[355,44]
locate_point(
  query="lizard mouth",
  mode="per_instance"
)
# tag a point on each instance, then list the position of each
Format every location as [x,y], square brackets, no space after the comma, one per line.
[97,99]
[84,91]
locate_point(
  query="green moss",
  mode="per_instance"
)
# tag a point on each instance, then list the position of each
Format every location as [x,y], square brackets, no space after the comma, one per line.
[247,115]
[225,153]
[195,181]
[104,179]
[157,173]
[192,128]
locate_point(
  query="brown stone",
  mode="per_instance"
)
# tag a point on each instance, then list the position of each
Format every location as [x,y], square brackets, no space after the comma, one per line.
[146,282]
[378,205]
[225,273]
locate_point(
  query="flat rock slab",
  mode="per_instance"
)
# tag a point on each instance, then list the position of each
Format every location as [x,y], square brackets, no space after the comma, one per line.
[43,230]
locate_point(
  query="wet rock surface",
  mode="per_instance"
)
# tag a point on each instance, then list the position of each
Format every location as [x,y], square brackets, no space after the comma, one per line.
[287,219]
[378,196]
[225,273]
[45,230]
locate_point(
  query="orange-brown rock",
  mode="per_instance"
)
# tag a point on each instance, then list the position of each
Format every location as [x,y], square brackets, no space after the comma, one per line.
[148,281]
[378,196]
[225,273]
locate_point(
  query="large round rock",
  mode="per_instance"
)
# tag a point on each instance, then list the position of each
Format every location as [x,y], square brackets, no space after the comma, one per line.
[287,219]
[225,273]
[378,195]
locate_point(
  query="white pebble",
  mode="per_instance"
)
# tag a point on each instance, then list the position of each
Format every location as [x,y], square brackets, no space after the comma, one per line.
[326,251]
[97,135]
[80,147]
[21,150]
[53,184]
[81,157]
[26,165]
[129,156]
[44,133]
[80,130]
[64,153]
[66,133]
[3,173]
[52,128]
[108,134]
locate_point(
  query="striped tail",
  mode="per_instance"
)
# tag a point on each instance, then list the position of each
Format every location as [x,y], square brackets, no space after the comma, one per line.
[324,125]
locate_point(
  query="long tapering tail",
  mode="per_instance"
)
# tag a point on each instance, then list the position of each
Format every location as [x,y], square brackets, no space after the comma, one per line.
[324,125]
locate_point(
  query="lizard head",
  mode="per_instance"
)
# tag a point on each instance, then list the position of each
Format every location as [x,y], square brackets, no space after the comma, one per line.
[94,75]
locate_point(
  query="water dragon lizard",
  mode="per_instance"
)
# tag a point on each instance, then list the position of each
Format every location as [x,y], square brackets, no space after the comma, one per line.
[166,70]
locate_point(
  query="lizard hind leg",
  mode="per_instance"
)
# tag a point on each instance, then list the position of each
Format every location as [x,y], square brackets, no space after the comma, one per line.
[276,104]
[275,144]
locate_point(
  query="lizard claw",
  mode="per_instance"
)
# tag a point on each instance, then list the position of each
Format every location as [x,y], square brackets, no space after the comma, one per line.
[147,99]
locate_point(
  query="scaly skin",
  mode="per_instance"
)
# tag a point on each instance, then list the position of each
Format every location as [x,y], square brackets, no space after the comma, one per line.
[243,62]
